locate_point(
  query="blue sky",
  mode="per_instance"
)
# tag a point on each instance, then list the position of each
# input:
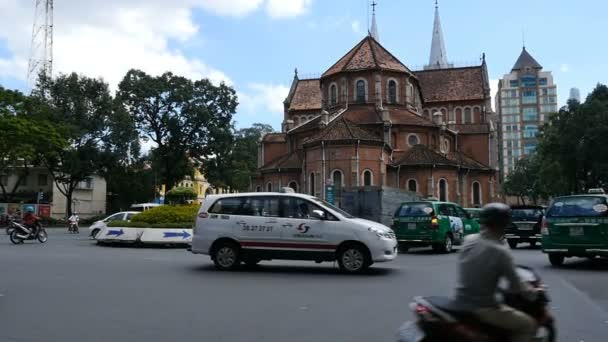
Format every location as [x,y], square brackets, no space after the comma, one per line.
[256,44]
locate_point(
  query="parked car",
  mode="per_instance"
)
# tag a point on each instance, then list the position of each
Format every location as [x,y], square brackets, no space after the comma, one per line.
[250,227]
[120,216]
[139,207]
[576,226]
[525,225]
[474,212]
[432,223]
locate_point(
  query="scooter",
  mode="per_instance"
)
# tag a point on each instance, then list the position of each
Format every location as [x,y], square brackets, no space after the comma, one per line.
[22,233]
[73,227]
[440,319]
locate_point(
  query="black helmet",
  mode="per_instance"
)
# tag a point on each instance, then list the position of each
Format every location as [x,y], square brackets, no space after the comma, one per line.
[495,214]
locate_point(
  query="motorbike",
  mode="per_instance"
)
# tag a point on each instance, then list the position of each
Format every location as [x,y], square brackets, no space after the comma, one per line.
[21,233]
[440,319]
[73,227]
[12,222]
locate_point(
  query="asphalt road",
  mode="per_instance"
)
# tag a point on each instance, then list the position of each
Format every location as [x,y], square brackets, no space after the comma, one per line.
[70,289]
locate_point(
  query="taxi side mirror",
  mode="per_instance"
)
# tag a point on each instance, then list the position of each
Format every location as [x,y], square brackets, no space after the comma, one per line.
[318,214]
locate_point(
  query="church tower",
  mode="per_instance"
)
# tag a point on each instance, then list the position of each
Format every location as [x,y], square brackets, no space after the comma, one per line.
[374,29]
[438,58]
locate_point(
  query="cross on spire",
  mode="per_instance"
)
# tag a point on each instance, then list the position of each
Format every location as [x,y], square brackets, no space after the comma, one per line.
[374,29]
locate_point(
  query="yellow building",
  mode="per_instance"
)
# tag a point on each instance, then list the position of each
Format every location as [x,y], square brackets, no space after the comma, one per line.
[199,184]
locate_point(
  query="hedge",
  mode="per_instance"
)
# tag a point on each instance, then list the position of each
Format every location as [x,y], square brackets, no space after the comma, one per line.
[165,214]
[127,224]
[180,195]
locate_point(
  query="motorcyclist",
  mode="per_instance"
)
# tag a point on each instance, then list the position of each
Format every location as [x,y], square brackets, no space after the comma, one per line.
[483,262]
[30,220]
[74,220]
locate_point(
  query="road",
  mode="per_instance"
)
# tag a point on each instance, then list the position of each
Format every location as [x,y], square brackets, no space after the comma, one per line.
[70,289]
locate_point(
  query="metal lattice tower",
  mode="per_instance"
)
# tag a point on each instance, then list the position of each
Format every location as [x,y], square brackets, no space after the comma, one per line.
[41,48]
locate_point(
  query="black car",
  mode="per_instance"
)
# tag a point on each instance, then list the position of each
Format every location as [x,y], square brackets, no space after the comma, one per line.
[525,226]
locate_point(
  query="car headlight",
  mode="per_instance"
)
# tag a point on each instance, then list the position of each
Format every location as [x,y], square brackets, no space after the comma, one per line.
[380,234]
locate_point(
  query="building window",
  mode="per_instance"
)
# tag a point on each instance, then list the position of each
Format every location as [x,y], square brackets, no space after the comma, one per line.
[530,131]
[443,190]
[43,180]
[336,177]
[269,187]
[367,178]
[528,81]
[412,185]
[529,147]
[311,184]
[392,91]
[360,91]
[293,185]
[542,81]
[467,116]
[257,189]
[413,139]
[476,193]
[513,84]
[426,114]
[458,113]
[451,117]
[530,114]
[333,94]
[529,96]
[445,146]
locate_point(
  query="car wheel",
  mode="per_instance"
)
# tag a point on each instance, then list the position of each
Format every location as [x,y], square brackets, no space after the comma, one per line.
[446,247]
[353,259]
[512,243]
[226,256]
[556,259]
[94,233]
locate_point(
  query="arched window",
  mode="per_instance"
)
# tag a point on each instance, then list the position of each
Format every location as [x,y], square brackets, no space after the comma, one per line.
[412,185]
[360,92]
[310,117]
[269,187]
[467,116]
[443,190]
[426,114]
[392,91]
[458,113]
[367,178]
[333,94]
[293,185]
[445,146]
[258,189]
[311,184]
[477,114]
[476,194]
[413,139]
[444,114]
[336,176]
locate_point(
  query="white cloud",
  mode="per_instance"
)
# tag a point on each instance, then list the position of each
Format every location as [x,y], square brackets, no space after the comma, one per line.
[564,67]
[262,99]
[493,90]
[356,26]
[287,8]
[233,8]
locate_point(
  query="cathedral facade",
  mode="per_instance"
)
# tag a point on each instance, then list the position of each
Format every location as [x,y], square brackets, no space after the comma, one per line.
[370,121]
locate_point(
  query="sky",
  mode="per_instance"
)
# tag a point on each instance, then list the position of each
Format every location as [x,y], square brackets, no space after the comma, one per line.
[255,45]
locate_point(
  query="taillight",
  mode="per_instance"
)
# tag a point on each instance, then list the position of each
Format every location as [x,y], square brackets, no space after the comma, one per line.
[544,227]
[434,222]
[203,215]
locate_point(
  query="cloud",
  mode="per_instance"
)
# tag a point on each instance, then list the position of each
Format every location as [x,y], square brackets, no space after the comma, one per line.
[232,8]
[564,67]
[262,99]
[493,90]
[356,26]
[287,8]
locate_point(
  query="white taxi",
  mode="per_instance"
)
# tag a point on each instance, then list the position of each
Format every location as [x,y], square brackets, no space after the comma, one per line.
[251,227]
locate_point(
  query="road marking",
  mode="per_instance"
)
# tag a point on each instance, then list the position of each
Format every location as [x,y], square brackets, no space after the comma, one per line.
[584,297]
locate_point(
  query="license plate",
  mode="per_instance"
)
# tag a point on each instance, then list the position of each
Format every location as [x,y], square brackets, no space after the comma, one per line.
[576,231]
[525,227]
[411,226]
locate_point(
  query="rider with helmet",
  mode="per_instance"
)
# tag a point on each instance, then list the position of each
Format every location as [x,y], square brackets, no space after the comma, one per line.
[483,261]
[30,220]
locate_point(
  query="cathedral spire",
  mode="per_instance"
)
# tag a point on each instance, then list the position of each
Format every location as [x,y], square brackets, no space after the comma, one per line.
[374,29]
[438,58]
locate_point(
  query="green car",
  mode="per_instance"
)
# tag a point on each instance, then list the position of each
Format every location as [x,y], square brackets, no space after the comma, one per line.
[576,226]
[432,223]
[474,212]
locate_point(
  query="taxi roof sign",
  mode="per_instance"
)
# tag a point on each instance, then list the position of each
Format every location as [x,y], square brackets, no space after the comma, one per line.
[596,191]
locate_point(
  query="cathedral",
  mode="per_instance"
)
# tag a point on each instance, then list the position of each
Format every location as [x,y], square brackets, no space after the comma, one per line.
[370,121]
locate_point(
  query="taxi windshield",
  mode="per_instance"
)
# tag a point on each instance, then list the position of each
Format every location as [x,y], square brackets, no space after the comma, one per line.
[584,206]
[415,209]
[334,208]
[527,213]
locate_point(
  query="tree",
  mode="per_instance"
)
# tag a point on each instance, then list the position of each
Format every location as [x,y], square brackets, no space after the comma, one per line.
[184,119]
[85,112]
[243,159]
[524,181]
[180,195]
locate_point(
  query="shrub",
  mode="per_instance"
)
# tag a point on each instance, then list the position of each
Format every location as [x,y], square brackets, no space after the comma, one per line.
[180,195]
[132,224]
[165,214]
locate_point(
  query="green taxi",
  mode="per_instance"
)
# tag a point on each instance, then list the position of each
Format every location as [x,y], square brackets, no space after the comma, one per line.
[440,225]
[576,226]
[474,212]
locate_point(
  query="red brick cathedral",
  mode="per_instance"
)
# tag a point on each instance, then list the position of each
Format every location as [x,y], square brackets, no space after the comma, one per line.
[371,121]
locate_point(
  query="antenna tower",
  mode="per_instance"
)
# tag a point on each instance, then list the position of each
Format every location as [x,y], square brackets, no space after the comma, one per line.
[41,48]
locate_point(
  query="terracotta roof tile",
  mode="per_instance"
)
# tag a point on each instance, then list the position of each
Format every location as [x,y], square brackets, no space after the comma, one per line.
[405,117]
[467,162]
[422,155]
[342,129]
[274,137]
[307,95]
[367,54]
[454,84]
[291,160]
[308,125]
[471,128]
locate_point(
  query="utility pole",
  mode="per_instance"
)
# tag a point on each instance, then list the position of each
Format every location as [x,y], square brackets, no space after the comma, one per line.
[41,47]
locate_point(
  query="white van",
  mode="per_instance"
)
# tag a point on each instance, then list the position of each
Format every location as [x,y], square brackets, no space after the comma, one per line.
[251,227]
[144,206]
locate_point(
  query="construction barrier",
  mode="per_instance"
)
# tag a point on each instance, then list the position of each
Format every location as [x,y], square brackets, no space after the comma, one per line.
[119,234]
[166,235]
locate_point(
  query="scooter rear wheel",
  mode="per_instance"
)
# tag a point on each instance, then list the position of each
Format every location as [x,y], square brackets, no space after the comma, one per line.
[15,238]
[42,236]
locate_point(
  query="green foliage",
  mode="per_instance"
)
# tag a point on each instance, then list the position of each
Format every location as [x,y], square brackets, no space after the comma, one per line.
[127,224]
[185,119]
[168,214]
[180,195]
[128,184]
[243,159]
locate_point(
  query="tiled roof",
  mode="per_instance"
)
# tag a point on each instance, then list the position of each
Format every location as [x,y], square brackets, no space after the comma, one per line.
[368,54]
[307,95]
[526,60]
[405,117]
[471,128]
[274,137]
[422,155]
[453,84]
[467,162]
[291,160]
[342,129]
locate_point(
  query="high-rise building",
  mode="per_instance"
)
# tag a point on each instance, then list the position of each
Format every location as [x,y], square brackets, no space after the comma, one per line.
[575,94]
[525,97]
